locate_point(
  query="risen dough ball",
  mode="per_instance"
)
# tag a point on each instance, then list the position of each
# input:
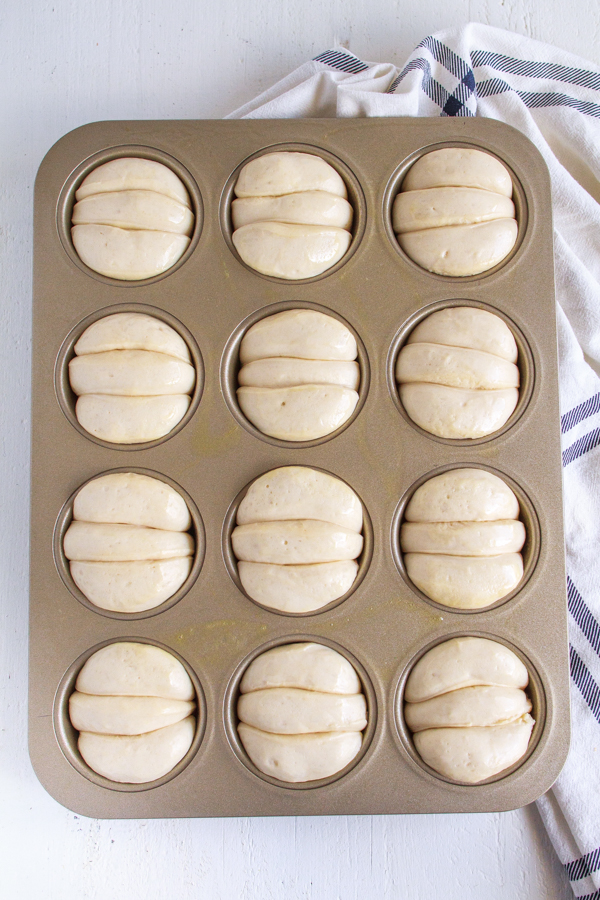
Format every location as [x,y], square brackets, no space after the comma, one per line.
[128,544]
[133,376]
[454,215]
[301,712]
[457,373]
[291,218]
[466,705]
[133,706]
[461,539]
[298,380]
[297,536]
[132,219]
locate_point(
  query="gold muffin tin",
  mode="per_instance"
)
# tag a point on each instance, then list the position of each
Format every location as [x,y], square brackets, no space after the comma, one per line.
[383,624]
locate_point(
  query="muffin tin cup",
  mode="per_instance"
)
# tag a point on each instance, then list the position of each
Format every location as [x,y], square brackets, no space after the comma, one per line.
[211,297]
[64,519]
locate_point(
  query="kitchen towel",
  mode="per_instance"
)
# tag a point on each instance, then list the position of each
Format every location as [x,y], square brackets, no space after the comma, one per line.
[554,99]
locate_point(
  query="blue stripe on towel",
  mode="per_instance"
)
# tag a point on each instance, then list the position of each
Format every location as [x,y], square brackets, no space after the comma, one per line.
[579,413]
[346,62]
[585,682]
[586,620]
[583,445]
[584,866]
[530,69]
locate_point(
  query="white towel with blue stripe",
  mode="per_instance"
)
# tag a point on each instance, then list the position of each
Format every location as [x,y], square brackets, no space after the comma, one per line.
[553,98]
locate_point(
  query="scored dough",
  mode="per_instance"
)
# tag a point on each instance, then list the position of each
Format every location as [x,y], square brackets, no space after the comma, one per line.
[105,542]
[298,492]
[459,250]
[127,255]
[139,758]
[290,251]
[125,715]
[464,582]
[132,331]
[135,210]
[311,666]
[131,373]
[299,333]
[469,327]
[296,711]
[463,538]
[295,542]
[436,207]
[474,754]
[462,495]
[283,172]
[478,705]
[459,167]
[279,372]
[463,662]
[132,669]
[306,208]
[300,757]
[456,413]
[455,366]
[133,174]
[131,499]
[297,589]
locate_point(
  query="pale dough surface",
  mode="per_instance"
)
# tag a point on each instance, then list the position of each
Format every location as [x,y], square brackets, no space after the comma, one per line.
[295,711]
[459,166]
[139,758]
[459,250]
[106,542]
[132,499]
[467,326]
[132,586]
[464,582]
[299,757]
[133,174]
[297,589]
[455,366]
[474,754]
[462,495]
[441,206]
[125,715]
[127,255]
[130,420]
[131,373]
[134,669]
[479,705]
[132,331]
[482,539]
[463,662]
[280,372]
[456,413]
[301,333]
[286,172]
[295,542]
[299,492]
[306,208]
[311,666]
[289,251]
[300,413]
[136,210]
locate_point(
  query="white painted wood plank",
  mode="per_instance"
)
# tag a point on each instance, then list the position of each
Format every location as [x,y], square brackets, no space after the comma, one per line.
[65,64]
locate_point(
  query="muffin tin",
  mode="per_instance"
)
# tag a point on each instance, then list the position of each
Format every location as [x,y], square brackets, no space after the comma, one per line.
[383,625]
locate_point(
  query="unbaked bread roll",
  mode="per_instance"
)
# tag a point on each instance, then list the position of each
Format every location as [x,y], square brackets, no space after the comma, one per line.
[457,374]
[454,215]
[133,377]
[297,538]
[461,539]
[133,706]
[128,545]
[291,218]
[301,712]
[466,706]
[298,380]
[132,219]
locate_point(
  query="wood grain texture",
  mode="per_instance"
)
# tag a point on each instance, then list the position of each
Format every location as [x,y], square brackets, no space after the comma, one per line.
[64,64]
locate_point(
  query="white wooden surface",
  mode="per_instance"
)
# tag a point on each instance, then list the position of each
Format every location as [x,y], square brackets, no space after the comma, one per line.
[64,64]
